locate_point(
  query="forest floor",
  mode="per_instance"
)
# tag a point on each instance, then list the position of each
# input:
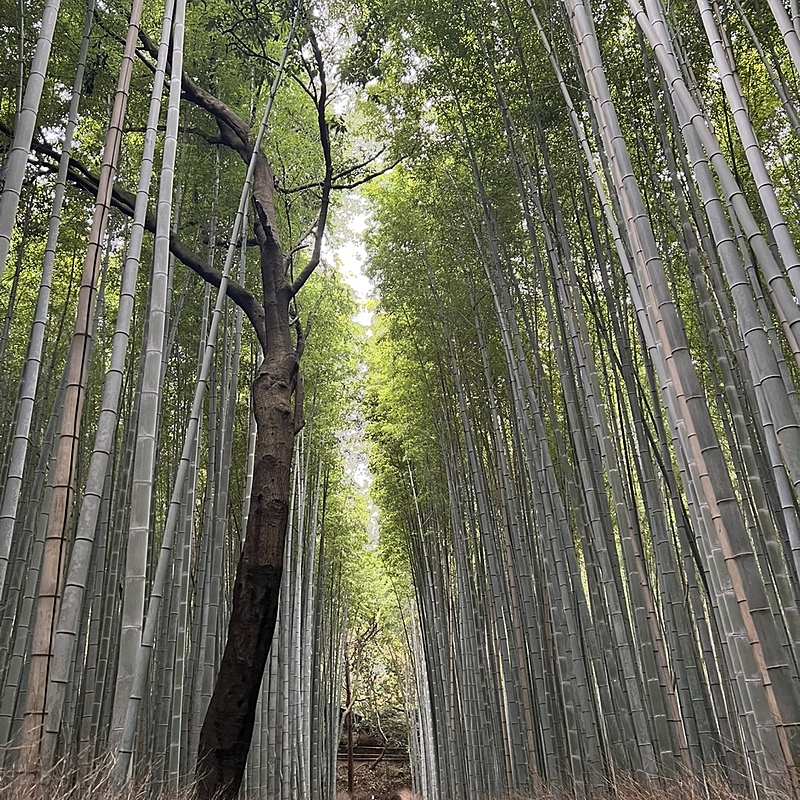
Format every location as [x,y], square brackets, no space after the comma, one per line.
[392,781]
[386,780]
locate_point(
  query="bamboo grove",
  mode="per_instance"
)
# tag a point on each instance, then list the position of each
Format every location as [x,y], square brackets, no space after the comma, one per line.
[581,388]
[584,399]
[133,459]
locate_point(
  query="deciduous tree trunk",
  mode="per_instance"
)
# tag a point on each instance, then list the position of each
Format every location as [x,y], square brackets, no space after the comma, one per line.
[228,727]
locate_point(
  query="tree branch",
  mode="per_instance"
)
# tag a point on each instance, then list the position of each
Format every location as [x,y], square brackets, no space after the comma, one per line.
[325,142]
[344,173]
[370,176]
[235,132]
[124,201]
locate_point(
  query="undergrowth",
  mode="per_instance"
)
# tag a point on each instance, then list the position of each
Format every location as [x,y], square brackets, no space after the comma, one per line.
[70,782]
[80,783]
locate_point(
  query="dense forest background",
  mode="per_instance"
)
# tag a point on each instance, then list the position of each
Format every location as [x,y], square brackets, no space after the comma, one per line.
[575,565]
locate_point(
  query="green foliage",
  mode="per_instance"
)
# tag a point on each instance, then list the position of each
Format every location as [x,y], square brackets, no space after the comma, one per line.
[493,185]
[332,356]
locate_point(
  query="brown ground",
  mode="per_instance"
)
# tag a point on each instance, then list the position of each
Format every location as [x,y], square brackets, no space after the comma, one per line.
[383,781]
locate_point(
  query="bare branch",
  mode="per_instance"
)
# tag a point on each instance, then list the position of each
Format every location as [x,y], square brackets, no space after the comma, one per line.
[370,176]
[325,141]
[344,173]
[124,201]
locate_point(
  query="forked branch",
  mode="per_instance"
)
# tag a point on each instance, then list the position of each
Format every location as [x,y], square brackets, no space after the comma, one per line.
[83,178]
[327,182]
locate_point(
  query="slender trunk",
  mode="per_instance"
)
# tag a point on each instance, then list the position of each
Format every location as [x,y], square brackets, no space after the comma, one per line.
[349,701]
[33,358]
[25,124]
[68,443]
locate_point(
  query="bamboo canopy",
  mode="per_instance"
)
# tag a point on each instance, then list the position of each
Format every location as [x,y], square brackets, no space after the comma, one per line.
[575,563]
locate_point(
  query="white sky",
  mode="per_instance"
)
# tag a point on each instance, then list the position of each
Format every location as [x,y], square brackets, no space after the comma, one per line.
[346,250]
[348,253]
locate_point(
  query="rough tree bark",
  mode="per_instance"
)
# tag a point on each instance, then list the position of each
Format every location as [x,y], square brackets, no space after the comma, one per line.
[228,726]
[277,405]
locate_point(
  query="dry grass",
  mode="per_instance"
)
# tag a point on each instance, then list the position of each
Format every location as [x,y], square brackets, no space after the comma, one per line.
[625,788]
[685,788]
[65,782]
[69,783]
